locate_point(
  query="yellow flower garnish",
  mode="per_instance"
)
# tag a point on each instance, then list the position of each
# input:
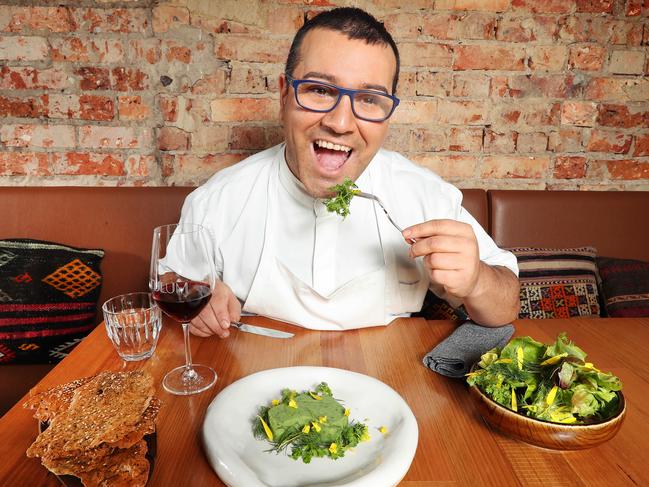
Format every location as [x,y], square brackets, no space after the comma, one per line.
[503,361]
[383,429]
[316,426]
[333,448]
[322,419]
[519,357]
[551,396]
[292,404]
[315,396]
[267,429]
[555,359]
[275,402]
[347,412]
[514,403]
[306,429]
[366,435]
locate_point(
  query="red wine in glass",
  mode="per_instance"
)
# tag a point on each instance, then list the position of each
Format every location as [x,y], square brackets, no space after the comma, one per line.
[183,300]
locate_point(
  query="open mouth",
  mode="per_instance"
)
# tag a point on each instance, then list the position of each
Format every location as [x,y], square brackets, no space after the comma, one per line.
[330,156]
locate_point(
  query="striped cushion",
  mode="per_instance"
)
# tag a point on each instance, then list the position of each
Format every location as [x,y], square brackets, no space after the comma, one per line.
[558,283]
[625,285]
[48,299]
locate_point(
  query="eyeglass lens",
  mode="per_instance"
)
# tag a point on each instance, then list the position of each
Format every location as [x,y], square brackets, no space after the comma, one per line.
[321,97]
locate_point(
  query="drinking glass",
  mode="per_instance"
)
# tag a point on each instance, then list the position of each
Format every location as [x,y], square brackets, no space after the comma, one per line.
[182,278]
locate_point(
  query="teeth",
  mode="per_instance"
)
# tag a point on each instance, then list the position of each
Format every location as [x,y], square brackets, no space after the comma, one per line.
[330,145]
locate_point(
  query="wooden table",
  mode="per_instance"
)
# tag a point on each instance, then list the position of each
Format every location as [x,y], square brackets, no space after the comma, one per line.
[455,446]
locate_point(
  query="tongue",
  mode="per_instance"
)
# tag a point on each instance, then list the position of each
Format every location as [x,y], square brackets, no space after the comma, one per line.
[331,159]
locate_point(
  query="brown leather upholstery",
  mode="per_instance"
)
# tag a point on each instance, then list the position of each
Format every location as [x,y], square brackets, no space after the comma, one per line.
[616,223]
[475,202]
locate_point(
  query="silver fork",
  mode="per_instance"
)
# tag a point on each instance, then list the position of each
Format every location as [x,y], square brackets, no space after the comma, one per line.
[370,196]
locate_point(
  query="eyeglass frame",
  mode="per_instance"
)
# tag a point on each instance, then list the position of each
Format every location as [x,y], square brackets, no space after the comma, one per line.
[341,92]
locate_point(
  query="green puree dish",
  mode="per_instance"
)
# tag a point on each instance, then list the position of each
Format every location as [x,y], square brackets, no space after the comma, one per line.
[344,192]
[547,382]
[312,423]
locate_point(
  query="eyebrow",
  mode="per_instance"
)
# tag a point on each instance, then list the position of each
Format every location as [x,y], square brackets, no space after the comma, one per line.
[333,80]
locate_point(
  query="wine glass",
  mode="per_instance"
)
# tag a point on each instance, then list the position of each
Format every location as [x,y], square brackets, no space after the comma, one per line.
[182,278]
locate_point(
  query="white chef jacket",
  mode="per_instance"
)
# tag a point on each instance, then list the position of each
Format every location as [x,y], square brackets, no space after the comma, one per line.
[267,229]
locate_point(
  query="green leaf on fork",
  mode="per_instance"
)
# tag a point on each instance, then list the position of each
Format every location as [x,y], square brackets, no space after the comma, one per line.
[344,192]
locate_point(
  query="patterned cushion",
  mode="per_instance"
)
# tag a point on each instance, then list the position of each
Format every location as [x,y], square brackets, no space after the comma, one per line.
[625,285]
[48,299]
[558,283]
[435,308]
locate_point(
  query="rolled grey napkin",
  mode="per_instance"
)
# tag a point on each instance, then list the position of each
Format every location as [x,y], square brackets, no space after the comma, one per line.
[454,356]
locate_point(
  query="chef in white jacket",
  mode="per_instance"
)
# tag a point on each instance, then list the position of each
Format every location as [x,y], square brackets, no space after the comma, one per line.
[281,254]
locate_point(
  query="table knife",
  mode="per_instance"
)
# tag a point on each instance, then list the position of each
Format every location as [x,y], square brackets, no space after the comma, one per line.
[260,330]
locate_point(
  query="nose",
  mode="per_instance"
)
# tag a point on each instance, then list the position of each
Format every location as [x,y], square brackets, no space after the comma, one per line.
[341,119]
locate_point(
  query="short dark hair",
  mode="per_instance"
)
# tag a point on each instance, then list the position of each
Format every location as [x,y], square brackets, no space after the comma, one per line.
[353,22]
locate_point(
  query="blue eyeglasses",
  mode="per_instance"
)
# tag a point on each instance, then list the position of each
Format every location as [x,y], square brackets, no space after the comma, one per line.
[317,96]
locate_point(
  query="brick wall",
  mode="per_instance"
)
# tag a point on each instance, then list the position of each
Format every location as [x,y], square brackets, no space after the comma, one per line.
[528,94]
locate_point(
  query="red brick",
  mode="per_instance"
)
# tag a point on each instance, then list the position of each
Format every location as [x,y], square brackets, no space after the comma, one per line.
[140,166]
[125,79]
[641,145]
[489,57]
[635,89]
[543,6]
[426,54]
[580,113]
[588,58]
[24,163]
[90,163]
[566,140]
[104,137]
[460,26]
[403,25]
[37,135]
[210,84]
[471,85]
[527,29]
[579,29]
[172,138]
[124,20]
[23,48]
[175,52]
[515,167]
[132,108]
[431,83]
[24,107]
[167,17]
[628,33]
[637,7]
[255,49]
[284,20]
[457,112]
[532,142]
[93,50]
[243,109]
[482,5]
[421,139]
[569,167]
[407,84]
[217,25]
[53,19]
[536,113]
[627,169]
[93,78]
[28,78]
[189,169]
[499,142]
[210,138]
[465,139]
[448,166]
[547,58]
[169,108]
[606,141]
[245,137]
[246,79]
[627,62]
[552,86]
[623,116]
[145,50]
[96,107]
[415,111]
[595,6]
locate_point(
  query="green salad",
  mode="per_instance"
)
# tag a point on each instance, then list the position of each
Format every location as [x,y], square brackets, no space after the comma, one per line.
[344,192]
[311,423]
[548,382]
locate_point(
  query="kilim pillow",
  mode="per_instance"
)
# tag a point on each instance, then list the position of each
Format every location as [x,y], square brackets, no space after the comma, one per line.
[558,283]
[436,308]
[48,299]
[625,285]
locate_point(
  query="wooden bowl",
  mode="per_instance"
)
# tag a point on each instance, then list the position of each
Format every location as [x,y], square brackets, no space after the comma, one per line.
[555,436]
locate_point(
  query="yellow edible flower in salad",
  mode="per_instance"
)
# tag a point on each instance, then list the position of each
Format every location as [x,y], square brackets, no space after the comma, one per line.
[551,396]
[306,429]
[383,430]
[347,411]
[322,419]
[315,396]
[519,357]
[366,435]
[292,404]
[514,403]
[316,426]
[267,430]
[333,448]
[275,402]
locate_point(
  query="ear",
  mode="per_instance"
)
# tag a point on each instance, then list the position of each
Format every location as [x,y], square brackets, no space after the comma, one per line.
[283,91]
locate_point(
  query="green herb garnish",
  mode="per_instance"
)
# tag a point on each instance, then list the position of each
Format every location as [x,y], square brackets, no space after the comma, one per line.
[553,383]
[345,191]
[312,423]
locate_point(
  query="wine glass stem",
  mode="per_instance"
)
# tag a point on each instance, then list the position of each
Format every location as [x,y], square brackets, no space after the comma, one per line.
[189,374]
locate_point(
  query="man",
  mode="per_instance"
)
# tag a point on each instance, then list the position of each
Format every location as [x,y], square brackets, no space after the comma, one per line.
[281,254]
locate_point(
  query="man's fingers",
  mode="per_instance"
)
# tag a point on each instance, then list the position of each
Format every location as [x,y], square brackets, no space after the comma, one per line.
[438,243]
[437,227]
[445,261]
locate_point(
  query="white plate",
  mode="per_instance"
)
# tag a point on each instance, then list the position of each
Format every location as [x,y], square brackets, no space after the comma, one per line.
[242,461]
